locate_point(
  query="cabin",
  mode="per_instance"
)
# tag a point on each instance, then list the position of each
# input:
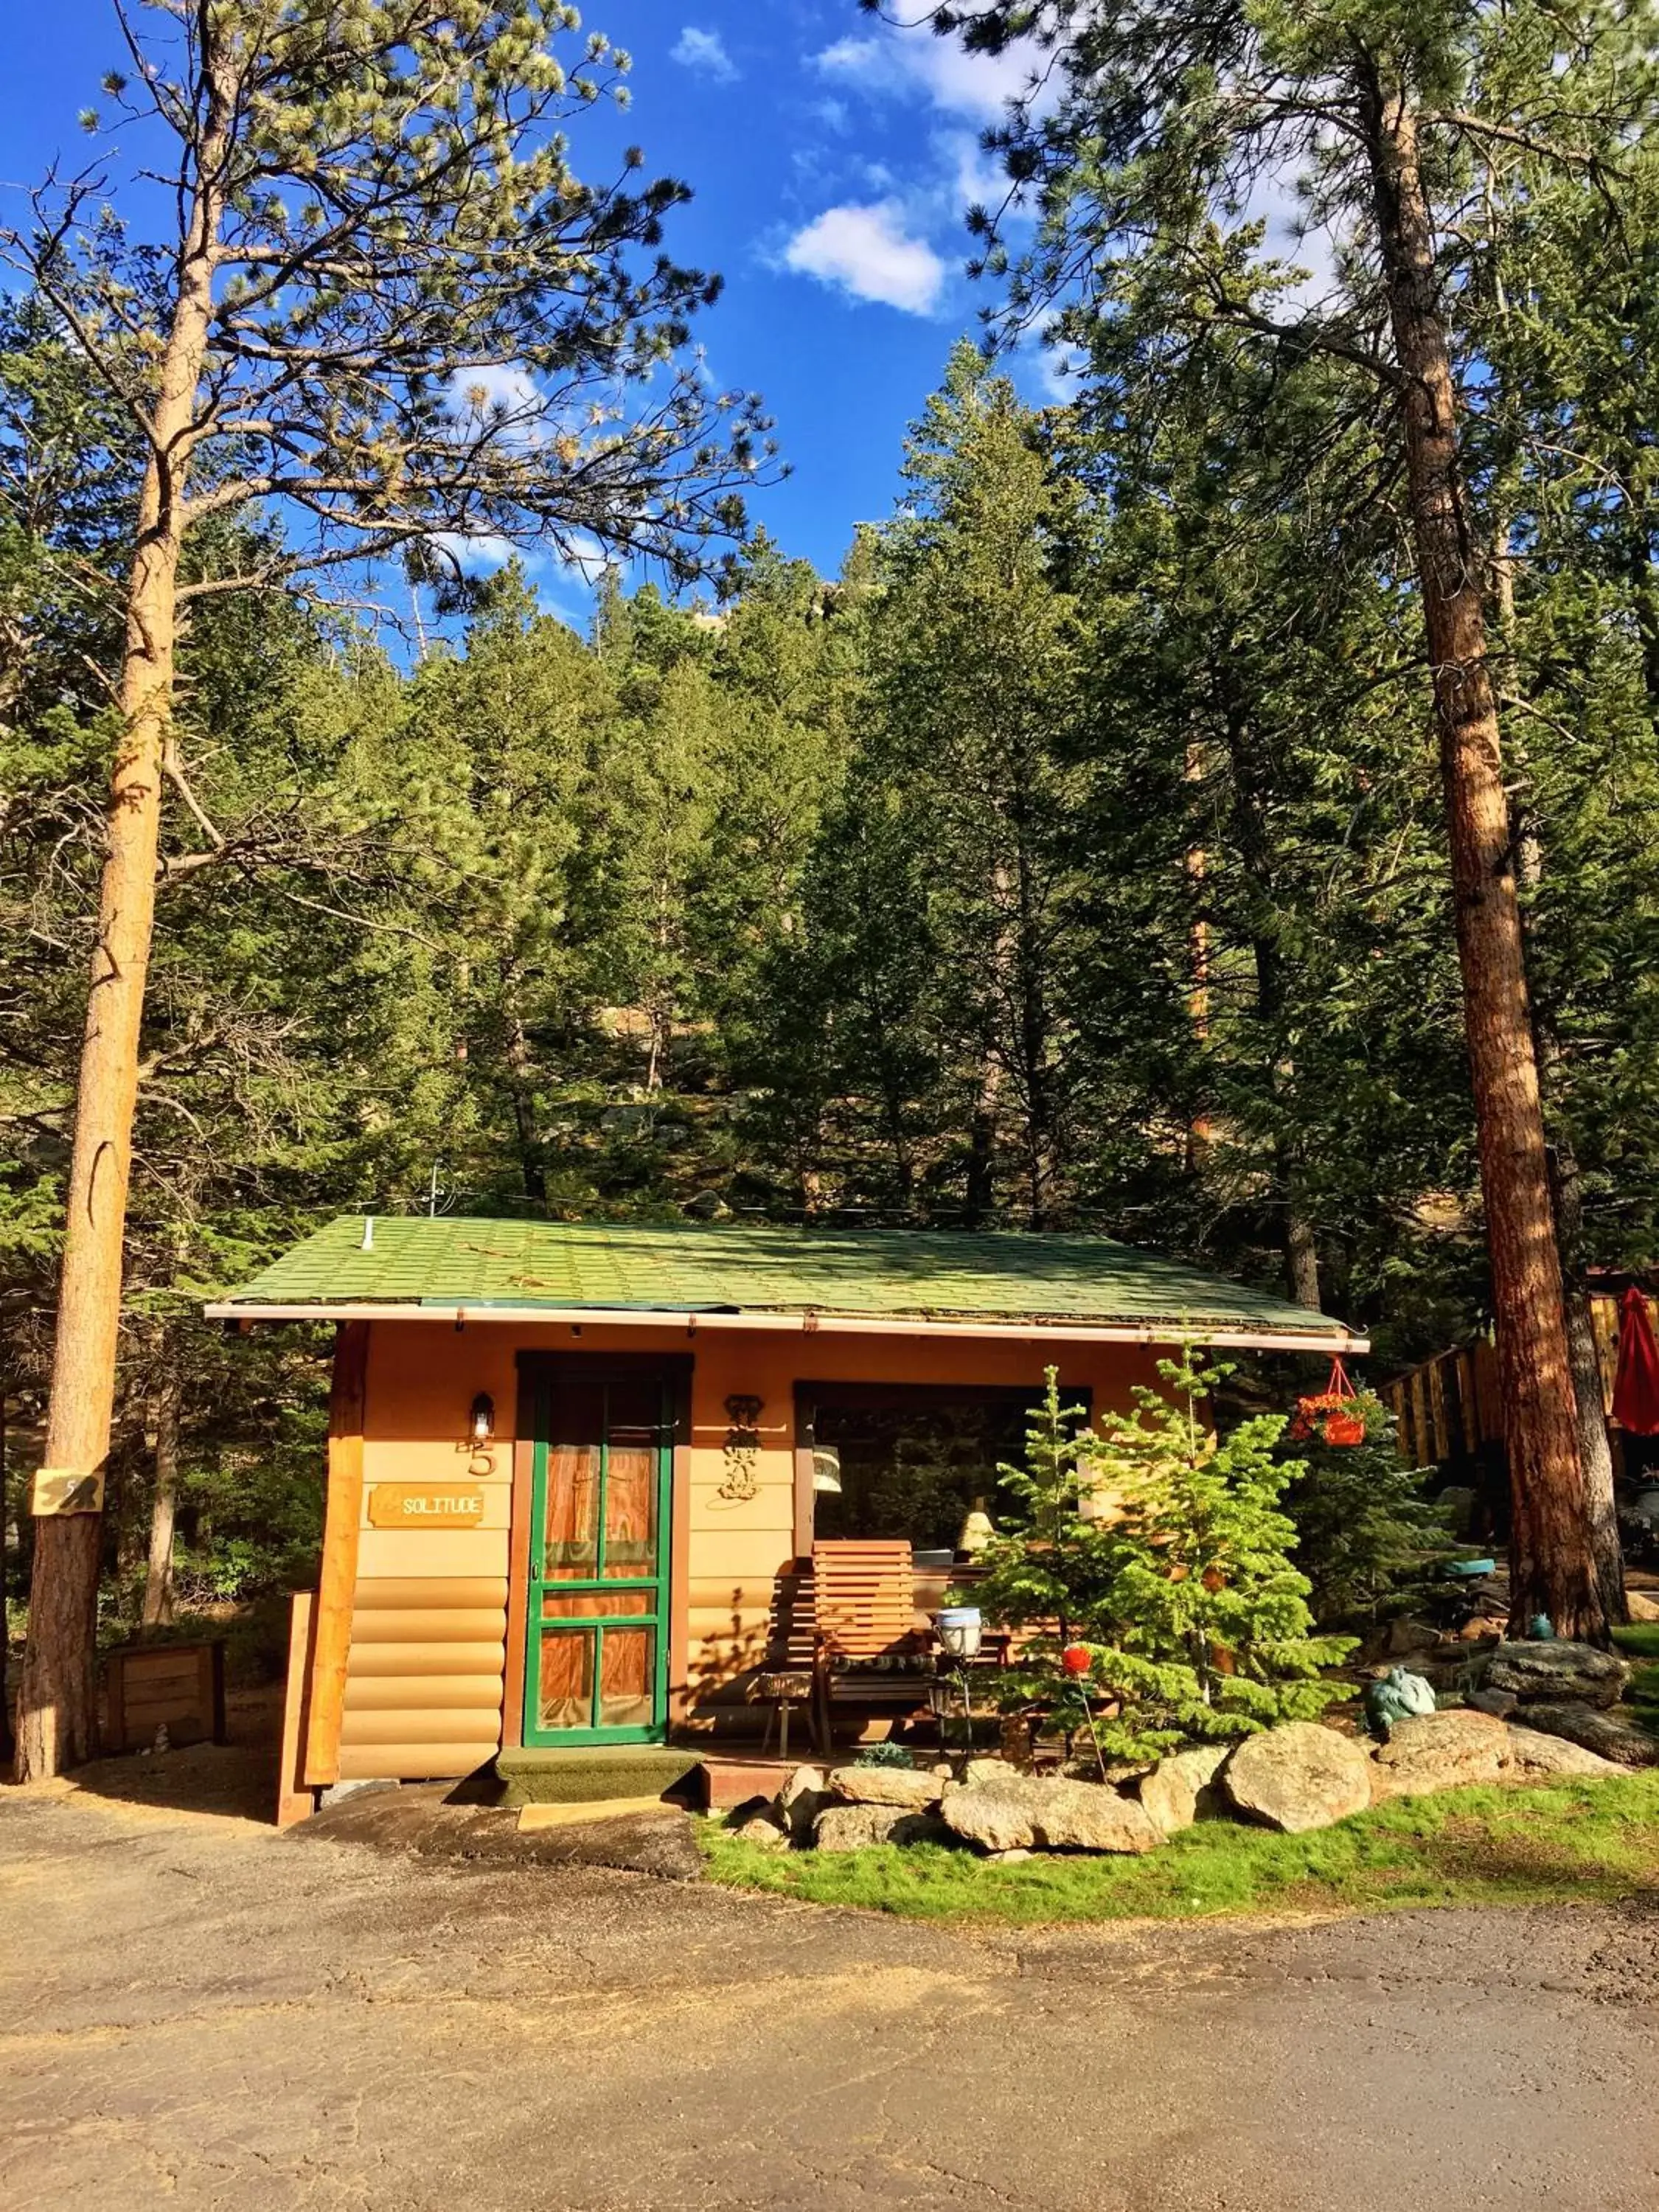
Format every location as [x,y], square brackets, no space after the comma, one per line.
[580,1473]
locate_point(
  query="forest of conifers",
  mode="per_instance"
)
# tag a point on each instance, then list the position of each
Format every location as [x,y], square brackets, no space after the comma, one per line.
[1074,857]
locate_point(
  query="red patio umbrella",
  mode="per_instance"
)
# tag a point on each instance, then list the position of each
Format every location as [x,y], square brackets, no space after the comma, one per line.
[1636,1385]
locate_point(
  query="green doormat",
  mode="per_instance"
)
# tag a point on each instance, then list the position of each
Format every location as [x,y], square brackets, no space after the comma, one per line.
[536,1776]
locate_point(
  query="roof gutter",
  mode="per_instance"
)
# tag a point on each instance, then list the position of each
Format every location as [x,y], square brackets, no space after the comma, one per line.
[1336,1338]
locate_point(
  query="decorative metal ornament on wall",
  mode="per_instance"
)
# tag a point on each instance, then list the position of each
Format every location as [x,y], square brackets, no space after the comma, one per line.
[741,1450]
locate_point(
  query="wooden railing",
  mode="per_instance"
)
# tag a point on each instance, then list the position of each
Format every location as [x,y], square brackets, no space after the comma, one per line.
[1450,1405]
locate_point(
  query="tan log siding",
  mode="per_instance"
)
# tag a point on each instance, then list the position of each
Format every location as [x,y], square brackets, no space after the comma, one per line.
[423,1687]
[430,1602]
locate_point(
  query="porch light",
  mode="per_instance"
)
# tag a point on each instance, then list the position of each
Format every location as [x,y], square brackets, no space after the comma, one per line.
[481,1424]
[826,1470]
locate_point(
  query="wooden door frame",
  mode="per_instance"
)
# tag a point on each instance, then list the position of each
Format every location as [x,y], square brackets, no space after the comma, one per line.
[533,1368]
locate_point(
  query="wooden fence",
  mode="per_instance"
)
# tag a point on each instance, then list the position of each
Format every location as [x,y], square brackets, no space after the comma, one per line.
[1449,1406]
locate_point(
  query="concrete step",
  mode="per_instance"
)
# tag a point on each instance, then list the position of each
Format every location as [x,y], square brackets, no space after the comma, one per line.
[729,1779]
[543,1776]
[585,1812]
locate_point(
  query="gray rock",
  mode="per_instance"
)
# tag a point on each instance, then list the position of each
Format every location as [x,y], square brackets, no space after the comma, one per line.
[857,1828]
[1201,1765]
[1406,1635]
[982,1774]
[1610,1735]
[885,1785]
[1023,1810]
[1534,1757]
[1168,1796]
[1572,1674]
[761,1828]
[1439,1751]
[1299,1777]
[1184,1787]
[802,1798]
[1502,1703]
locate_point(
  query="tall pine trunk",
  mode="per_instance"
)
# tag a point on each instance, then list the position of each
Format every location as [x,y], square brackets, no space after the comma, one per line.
[163,1511]
[1595,1446]
[1551,1569]
[1566,1191]
[57,1717]
[8,1747]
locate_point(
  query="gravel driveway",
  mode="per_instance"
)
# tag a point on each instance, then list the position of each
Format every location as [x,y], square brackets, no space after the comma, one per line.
[198,2012]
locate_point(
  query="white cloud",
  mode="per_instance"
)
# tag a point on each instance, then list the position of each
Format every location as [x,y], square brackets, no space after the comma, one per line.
[494,385]
[583,555]
[705,52]
[477,553]
[1297,237]
[961,83]
[976,179]
[1060,374]
[868,253]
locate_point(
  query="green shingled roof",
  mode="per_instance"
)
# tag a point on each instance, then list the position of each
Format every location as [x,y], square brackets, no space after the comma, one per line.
[897,1274]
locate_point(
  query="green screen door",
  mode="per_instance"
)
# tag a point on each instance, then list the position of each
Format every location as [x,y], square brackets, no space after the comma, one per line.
[597,1651]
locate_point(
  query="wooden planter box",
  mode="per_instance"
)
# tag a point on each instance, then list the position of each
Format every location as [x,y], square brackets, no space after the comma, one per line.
[180,1686]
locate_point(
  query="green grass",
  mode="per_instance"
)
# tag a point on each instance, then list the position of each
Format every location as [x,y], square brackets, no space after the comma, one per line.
[1560,1841]
[1640,1645]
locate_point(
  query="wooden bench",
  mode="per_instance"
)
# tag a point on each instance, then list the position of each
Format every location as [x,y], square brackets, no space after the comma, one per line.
[844,1641]
[870,1658]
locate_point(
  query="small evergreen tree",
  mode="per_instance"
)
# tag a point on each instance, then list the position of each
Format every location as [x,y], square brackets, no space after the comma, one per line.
[1366,1537]
[1162,1551]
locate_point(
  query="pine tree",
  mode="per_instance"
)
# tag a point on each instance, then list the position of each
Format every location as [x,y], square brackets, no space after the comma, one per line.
[1163,1552]
[374,212]
[1167,121]
[1366,1537]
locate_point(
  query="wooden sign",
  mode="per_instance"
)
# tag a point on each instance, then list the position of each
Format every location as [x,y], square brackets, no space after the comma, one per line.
[417,1506]
[60,1490]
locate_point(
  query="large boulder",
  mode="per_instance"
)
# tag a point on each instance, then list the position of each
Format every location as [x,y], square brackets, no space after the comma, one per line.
[1024,1810]
[1502,1703]
[1299,1777]
[1168,1796]
[1642,1605]
[801,1799]
[885,1785]
[984,1773]
[1439,1751]
[1534,1757]
[1610,1735]
[1573,1673]
[1182,1788]
[857,1828]
[763,1829]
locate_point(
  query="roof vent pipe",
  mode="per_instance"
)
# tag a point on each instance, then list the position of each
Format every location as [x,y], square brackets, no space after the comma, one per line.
[367,1244]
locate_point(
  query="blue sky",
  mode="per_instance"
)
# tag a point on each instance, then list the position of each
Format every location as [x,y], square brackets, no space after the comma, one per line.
[831,158]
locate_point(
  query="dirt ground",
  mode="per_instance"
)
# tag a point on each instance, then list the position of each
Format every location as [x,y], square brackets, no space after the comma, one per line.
[198,2012]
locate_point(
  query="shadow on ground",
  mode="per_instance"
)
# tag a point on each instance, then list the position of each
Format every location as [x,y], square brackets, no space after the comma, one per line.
[234,1781]
[437,1821]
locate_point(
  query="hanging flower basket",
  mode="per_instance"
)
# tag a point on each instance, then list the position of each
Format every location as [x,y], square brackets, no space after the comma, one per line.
[1332,1414]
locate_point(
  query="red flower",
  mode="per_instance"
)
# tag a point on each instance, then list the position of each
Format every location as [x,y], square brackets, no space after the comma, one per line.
[1076,1659]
